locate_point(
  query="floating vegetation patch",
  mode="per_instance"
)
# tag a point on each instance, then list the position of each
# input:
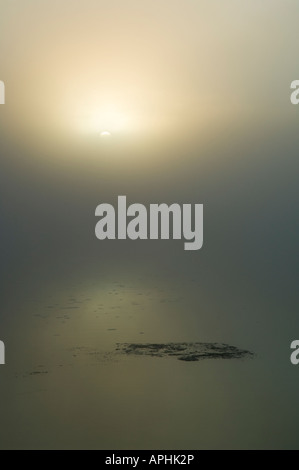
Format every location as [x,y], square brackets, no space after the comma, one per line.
[184,351]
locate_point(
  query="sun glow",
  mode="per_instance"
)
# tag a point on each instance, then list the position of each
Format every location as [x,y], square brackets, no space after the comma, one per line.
[105,121]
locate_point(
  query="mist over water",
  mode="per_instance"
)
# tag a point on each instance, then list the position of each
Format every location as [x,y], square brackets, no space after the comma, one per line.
[212,125]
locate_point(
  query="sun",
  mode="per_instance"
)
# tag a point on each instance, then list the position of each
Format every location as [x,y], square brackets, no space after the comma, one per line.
[105,134]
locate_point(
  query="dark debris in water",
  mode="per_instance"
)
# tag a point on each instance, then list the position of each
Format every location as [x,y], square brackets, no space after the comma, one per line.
[188,352]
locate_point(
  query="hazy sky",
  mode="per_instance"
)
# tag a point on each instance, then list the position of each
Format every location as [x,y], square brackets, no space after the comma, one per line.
[194,94]
[173,72]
